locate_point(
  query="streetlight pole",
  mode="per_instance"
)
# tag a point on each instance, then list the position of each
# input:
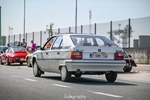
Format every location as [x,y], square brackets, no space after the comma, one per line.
[76,18]
[12,35]
[24,20]
[90,17]
[0,22]
[9,35]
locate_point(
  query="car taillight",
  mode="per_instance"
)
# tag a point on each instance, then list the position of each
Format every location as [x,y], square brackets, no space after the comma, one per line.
[119,56]
[76,55]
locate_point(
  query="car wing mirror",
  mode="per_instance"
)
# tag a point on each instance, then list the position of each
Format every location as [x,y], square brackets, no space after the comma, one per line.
[41,48]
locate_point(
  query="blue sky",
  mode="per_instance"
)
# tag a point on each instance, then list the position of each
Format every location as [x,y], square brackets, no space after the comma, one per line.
[40,13]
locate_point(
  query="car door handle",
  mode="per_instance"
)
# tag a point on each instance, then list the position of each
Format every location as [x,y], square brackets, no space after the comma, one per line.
[58,53]
[46,53]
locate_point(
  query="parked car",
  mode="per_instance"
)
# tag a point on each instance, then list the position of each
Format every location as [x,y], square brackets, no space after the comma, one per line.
[129,62]
[3,49]
[79,54]
[29,57]
[14,54]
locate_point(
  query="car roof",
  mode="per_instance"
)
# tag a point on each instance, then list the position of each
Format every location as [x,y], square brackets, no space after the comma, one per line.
[69,34]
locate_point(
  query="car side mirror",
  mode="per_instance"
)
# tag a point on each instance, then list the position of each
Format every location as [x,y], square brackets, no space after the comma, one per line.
[41,48]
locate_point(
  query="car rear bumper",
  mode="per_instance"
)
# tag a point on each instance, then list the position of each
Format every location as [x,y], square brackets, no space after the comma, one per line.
[17,60]
[95,65]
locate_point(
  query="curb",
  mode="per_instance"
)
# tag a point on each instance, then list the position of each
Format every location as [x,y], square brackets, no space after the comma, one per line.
[147,65]
[139,71]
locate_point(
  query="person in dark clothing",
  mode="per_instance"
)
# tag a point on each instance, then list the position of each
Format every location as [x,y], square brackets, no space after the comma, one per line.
[8,45]
[24,44]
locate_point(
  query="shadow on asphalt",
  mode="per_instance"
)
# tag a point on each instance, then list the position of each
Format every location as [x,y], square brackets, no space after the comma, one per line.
[17,64]
[127,72]
[89,81]
[57,78]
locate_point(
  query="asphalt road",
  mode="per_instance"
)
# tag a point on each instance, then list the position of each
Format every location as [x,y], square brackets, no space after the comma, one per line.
[18,83]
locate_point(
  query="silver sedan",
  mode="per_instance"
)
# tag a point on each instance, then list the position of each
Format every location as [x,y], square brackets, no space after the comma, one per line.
[79,54]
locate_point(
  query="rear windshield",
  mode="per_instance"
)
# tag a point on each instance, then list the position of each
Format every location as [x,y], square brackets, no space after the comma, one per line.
[89,40]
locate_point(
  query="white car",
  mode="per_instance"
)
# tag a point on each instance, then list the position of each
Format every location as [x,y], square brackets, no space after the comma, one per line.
[79,54]
[29,59]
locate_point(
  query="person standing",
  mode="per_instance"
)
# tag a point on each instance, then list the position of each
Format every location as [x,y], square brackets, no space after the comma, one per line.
[31,48]
[19,44]
[8,45]
[24,44]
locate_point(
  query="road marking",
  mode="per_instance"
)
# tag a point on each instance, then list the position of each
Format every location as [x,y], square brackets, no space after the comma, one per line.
[61,85]
[29,79]
[110,95]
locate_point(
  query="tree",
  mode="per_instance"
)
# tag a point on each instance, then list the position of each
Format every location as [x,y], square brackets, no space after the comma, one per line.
[51,29]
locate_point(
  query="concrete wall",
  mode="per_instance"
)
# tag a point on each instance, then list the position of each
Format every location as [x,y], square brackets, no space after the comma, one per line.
[140,55]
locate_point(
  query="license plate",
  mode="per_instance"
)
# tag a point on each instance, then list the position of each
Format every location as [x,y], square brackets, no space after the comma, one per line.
[22,59]
[99,55]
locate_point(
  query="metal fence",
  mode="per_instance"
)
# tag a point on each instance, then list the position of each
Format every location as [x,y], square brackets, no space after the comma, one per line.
[118,31]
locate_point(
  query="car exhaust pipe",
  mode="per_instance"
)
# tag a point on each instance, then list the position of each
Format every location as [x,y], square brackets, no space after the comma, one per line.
[78,71]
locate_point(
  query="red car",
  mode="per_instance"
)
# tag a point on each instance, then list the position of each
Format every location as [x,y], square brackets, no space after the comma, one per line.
[14,54]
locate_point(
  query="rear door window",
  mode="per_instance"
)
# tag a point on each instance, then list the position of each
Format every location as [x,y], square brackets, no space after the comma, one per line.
[66,43]
[57,43]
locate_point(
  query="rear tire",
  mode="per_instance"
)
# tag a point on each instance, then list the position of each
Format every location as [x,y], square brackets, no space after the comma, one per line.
[111,77]
[65,75]
[1,61]
[127,69]
[21,63]
[36,70]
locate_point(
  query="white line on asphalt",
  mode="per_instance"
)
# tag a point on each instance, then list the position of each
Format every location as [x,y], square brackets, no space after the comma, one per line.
[29,79]
[110,95]
[61,85]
